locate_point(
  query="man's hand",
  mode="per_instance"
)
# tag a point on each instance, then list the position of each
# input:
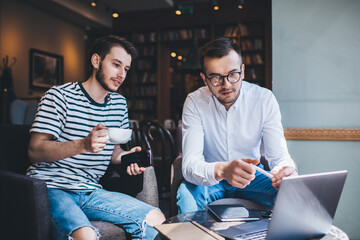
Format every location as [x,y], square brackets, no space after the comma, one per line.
[96,140]
[279,172]
[134,169]
[239,173]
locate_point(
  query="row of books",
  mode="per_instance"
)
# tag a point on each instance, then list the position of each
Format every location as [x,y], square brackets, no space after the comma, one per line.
[252,59]
[145,77]
[144,37]
[138,104]
[182,34]
[236,30]
[142,116]
[256,44]
[145,91]
[145,64]
[146,51]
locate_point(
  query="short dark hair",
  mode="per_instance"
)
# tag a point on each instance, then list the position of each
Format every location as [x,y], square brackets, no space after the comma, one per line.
[103,45]
[218,48]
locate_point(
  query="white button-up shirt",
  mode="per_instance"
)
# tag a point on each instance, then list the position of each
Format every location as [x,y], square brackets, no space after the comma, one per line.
[211,134]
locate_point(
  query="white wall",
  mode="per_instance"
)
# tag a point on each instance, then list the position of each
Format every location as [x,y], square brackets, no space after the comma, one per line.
[316,79]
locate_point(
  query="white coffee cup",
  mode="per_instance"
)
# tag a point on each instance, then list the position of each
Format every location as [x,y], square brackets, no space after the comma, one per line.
[119,135]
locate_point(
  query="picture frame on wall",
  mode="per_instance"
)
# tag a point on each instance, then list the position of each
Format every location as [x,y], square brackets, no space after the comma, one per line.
[46,69]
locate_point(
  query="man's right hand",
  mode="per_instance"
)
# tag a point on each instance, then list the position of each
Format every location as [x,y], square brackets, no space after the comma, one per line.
[96,140]
[239,173]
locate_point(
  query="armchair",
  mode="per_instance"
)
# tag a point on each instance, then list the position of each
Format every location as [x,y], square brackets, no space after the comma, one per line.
[24,204]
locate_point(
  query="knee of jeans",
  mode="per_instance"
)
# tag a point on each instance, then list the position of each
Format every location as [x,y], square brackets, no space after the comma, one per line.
[86,228]
[154,217]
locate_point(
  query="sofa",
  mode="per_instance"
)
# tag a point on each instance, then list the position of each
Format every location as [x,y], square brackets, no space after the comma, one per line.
[24,204]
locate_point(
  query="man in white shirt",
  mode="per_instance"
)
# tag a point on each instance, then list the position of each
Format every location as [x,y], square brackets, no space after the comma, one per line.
[223,126]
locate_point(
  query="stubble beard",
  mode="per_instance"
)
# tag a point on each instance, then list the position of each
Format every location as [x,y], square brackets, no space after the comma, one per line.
[222,100]
[100,77]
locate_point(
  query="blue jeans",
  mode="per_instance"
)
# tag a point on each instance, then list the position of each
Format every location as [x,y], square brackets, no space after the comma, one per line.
[192,197]
[72,210]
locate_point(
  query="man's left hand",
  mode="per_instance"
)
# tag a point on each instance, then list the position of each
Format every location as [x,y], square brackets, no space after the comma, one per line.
[279,172]
[134,169]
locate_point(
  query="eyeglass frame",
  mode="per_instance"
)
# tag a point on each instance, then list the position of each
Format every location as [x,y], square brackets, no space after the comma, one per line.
[223,77]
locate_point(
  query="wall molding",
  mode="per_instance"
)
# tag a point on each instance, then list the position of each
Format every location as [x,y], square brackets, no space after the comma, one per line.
[330,134]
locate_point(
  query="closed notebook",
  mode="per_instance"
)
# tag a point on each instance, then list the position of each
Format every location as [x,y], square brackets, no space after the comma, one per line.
[188,231]
[235,212]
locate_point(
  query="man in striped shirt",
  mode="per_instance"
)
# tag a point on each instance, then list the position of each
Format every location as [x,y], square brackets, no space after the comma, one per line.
[70,151]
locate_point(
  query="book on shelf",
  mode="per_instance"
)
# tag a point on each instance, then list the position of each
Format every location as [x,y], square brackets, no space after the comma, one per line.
[231,31]
[145,64]
[146,51]
[228,31]
[145,77]
[258,44]
[145,37]
[248,45]
[259,59]
[243,30]
[201,33]
[246,59]
[253,74]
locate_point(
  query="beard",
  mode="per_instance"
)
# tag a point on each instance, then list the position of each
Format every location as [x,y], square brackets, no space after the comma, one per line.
[100,77]
[224,100]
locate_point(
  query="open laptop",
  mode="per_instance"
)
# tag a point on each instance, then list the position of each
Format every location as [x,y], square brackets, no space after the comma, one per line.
[304,208]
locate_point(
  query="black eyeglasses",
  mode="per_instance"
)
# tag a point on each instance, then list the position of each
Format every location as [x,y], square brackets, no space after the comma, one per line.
[218,80]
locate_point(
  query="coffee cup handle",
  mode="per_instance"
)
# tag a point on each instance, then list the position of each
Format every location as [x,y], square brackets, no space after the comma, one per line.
[107,134]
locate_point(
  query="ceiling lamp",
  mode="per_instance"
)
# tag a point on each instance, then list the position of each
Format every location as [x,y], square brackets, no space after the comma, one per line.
[215,5]
[115,14]
[93,3]
[241,4]
[178,9]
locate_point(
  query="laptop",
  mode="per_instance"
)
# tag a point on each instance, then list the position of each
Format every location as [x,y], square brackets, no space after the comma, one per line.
[304,208]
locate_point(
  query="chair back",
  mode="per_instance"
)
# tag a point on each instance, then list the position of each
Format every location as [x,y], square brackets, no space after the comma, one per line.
[159,142]
[14,141]
[22,112]
[154,135]
[169,123]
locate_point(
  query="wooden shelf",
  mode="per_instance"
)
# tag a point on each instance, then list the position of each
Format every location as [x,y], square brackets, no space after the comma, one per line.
[156,72]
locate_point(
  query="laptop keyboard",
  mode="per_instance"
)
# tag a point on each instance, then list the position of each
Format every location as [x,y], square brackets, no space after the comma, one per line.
[253,236]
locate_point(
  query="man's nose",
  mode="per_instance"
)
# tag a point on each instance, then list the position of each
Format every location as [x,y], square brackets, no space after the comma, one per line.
[121,73]
[226,82]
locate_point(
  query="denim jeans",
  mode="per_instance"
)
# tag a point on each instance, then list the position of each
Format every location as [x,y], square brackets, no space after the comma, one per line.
[192,197]
[71,210]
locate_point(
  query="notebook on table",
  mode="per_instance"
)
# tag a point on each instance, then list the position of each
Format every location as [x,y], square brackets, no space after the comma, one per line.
[235,212]
[305,208]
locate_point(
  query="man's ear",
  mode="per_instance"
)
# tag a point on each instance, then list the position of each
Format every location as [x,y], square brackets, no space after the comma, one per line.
[95,60]
[202,75]
[242,71]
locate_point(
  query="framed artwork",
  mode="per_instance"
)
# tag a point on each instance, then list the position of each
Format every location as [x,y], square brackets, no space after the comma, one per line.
[46,69]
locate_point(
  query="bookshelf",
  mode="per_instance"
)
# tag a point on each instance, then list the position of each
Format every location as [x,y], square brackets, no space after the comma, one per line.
[141,88]
[155,71]
[250,37]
